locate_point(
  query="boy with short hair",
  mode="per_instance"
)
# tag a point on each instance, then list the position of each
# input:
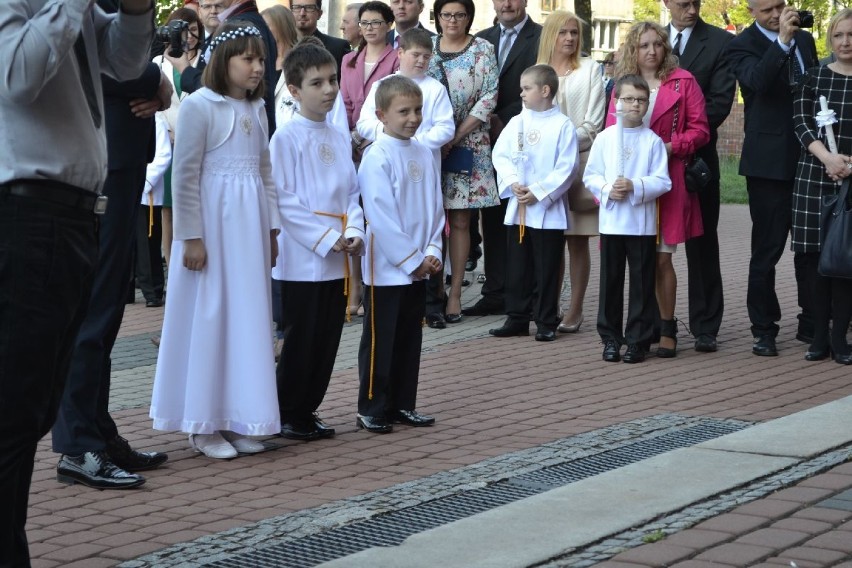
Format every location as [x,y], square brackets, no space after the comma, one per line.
[403,205]
[322,224]
[536,160]
[628,221]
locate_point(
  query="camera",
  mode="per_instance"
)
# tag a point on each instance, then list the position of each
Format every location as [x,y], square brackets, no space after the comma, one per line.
[806,19]
[172,35]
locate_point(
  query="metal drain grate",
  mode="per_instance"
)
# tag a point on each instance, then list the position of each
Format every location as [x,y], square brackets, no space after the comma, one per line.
[391,529]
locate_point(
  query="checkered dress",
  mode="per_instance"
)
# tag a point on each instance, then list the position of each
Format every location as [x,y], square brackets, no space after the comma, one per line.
[811,180]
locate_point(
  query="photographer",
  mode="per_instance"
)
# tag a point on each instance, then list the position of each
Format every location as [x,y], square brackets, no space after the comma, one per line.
[768,58]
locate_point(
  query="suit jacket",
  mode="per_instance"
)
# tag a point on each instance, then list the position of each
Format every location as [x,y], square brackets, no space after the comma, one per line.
[522,55]
[391,35]
[336,46]
[352,85]
[770,148]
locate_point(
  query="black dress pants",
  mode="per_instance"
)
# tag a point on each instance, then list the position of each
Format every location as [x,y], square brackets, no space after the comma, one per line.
[84,423]
[47,259]
[149,255]
[312,316]
[494,243]
[388,370]
[640,256]
[831,304]
[532,276]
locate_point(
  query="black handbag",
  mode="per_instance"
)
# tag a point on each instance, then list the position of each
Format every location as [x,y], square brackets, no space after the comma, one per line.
[697,175]
[835,257]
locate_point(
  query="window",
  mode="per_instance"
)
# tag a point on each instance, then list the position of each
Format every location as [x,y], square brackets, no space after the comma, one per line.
[548,6]
[605,35]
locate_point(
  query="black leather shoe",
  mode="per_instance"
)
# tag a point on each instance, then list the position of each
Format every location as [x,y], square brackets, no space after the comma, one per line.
[374,424]
[94,469]
[484,308]
[412,418]
[297,430]
[765,346]
[321,428]
[470,265]
[843,359]
[452,318]
[436,321]
[705,344]
[511,330]
[817,354]
[120,453]
[612,351]
[155,303]
[634,354]
[546,335]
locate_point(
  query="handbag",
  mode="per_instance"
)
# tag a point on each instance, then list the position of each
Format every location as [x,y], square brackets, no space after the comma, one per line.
[696,172]
[835,256]
[458,161]
[580,199]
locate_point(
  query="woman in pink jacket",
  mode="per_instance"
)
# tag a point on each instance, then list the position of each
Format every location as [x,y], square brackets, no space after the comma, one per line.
[676,114]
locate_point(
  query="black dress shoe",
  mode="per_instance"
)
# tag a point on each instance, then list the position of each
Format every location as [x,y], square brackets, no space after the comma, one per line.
[296,430]
[155,303]
[452,318]
[470,265]
[612,351]
[817,354]
[511,330]
[484,308]
[374,424]
[843,359]
[634,354]
[120,453]
[94,469]
[546,335]
[320,427]
[765,346]
[436,321]
[412,418]
[705,344]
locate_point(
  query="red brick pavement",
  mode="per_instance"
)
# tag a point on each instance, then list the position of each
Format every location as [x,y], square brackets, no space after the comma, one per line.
[491,396]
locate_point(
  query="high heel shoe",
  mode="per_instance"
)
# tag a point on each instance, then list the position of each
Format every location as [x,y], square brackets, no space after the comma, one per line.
[570,328]
[668,328]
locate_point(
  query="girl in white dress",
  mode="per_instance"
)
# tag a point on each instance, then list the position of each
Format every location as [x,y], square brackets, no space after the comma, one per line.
[215,376]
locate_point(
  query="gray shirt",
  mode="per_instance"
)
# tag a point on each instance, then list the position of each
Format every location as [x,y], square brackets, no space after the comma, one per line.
[46,127]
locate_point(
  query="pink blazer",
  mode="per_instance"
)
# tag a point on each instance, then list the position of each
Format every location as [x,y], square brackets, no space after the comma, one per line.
[352,85]
[680,211]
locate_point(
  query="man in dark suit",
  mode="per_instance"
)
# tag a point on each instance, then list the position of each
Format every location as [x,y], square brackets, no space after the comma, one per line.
[701,47]
[406,15]
[307,14]
[515,39]
[93,453]
[768,58]
[244,10]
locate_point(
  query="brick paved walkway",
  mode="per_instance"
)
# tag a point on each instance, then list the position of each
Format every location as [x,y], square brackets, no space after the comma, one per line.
[491,396]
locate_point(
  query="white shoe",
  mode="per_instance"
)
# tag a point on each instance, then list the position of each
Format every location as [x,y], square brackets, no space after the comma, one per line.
[242,444]
[212,445]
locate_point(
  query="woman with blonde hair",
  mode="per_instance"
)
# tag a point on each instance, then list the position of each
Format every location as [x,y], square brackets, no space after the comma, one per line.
[676,114]
[282,24]
[581,98]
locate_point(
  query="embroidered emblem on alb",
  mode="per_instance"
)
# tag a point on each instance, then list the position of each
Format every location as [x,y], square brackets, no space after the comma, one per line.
[415,172]
[245,124]
[533,137]
[628,152]
[326,154]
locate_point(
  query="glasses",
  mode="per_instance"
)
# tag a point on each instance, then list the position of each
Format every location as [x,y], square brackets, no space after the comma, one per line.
[457,17]
[633,100]
[687,5]
[307,8]
[371,24]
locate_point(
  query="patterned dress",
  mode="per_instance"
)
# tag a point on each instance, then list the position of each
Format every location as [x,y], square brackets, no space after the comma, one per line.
[812,183]
[470,77]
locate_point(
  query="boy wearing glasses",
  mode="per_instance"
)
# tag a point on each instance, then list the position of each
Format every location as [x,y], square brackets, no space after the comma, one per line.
[627,181]
[307,13]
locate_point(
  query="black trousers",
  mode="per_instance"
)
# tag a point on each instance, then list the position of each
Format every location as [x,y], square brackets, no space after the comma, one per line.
[84,422]
[770,204]
[532,276]
[831,303]
[149,253]
[312,316]
[47,259]
[640,256]
[494,243]
[706,296]
[388,371]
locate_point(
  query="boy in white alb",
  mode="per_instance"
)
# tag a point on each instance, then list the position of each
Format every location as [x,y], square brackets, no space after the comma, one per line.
[437,128]
[322,224]
[400,185]
[536,161]
[628,189]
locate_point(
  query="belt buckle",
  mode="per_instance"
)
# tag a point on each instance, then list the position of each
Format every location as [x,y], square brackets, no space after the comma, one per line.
[100,205]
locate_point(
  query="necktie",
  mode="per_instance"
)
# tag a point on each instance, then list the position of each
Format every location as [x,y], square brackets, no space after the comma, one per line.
[505,46]
[86,79]
[676,46]
[795,68]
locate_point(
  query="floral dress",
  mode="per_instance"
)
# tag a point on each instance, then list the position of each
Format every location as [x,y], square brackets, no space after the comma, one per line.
[470,77]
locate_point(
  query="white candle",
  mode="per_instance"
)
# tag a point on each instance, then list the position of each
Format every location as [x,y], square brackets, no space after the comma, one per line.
[619,131]
[828,120]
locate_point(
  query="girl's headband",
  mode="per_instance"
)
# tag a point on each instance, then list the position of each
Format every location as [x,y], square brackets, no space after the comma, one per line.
[233,34]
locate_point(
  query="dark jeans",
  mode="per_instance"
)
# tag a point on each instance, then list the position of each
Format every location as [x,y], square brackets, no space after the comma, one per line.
[47,257]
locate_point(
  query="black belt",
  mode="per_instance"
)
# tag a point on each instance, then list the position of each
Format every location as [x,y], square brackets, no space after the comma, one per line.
[58,193]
